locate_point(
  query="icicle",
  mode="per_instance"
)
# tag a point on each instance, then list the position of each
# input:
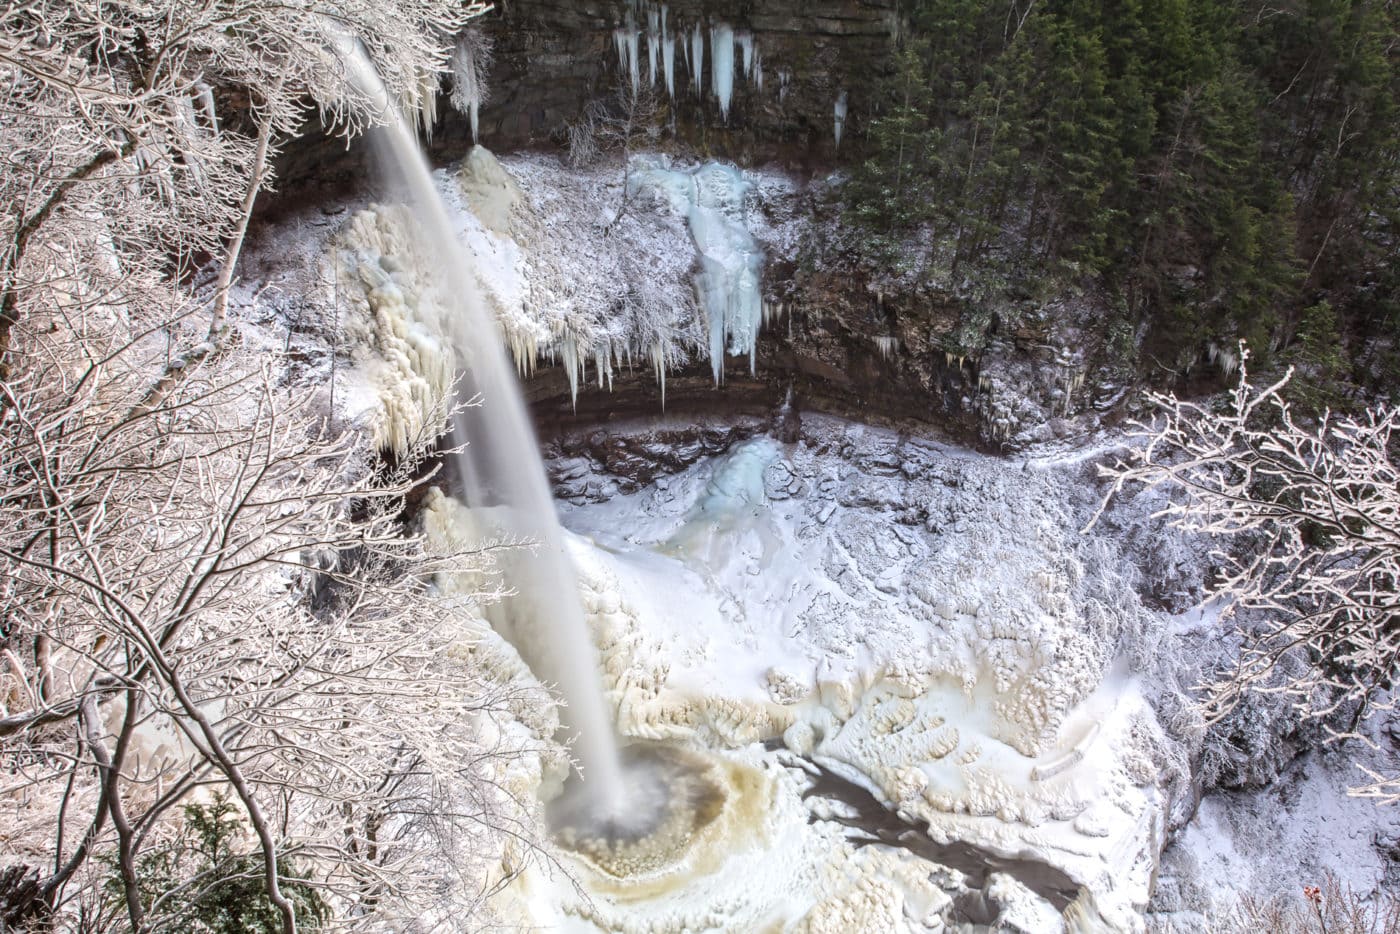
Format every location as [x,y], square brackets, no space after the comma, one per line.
[697,59]
[426,114]
[840,110]
[600,361]
[668,64]
[525,351]
[1227,360]
[634,54]
[627,39]
[653,44]
[722,66]
[758,71]
[887,346]
[745,41]
[658,362]
[573,366]
[784,79]
[620,43]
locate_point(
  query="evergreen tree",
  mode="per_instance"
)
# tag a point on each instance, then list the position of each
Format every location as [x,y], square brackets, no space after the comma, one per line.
[1220,168]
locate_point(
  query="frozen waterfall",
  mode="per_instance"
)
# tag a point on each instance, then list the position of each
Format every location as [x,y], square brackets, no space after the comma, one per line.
[502,474]
[711,198]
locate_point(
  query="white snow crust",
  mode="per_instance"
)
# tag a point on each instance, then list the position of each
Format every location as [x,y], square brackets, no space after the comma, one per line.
[920,620]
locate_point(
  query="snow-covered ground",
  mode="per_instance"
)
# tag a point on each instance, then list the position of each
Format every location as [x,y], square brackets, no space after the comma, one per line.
[923,622]
[930,625]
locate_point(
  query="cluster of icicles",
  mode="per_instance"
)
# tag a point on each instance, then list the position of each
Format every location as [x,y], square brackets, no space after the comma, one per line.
[611,356]
[662,40]
[727,284]
[573,352]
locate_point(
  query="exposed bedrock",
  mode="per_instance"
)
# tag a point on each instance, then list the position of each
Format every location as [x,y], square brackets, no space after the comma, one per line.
[554,56]
[792,62]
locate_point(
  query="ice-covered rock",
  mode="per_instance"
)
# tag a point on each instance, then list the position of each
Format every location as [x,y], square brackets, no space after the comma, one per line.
[490,191]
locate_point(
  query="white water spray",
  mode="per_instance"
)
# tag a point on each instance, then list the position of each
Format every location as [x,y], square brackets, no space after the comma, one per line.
[501,469]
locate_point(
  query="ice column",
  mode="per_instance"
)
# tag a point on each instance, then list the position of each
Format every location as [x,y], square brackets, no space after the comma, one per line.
[467,84]
[697,58]
[840,116]
[722,66]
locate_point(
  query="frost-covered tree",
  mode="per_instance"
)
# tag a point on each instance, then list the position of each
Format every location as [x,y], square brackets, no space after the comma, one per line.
[620,123]
[203,591]
[210,592]
[137,135]
[1309,516]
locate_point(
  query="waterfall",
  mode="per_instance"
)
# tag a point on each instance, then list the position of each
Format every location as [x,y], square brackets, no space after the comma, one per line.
[501,469]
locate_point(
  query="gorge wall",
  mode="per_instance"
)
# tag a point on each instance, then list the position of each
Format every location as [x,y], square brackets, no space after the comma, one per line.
[552,57]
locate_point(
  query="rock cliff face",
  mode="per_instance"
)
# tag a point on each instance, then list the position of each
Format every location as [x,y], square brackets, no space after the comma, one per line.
[553,57]
[793,60]
[853,339]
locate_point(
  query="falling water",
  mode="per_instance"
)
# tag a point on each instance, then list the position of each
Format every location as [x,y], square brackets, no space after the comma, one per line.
[501,469]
